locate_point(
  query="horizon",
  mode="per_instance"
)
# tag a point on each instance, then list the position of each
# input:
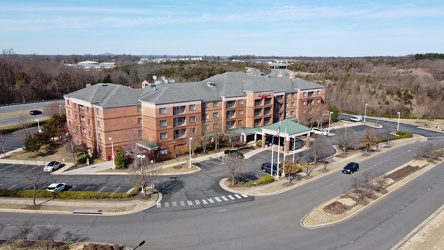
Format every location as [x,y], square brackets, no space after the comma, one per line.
[282,28]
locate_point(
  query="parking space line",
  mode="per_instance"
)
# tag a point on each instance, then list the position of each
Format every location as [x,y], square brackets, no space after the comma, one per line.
[7,167]
[72,188]
[86,188]
[190,203]
[102,188]
[116,190]
[12,186]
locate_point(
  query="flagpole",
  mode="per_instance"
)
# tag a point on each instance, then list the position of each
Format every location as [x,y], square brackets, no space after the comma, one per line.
[279,145]
[285,147]
[272,145]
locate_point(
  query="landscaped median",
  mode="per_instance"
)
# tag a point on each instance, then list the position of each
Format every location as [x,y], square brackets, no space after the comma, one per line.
[359,198]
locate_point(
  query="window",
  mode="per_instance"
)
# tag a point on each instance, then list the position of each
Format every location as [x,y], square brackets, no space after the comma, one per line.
[99,124]
[75,105]
[98,111]
[303,103]
[216,125]
[231,104]
[139,108]
[67,102]
[89,121]
[215,114]
[90,134]
[87,109]
[205,104]
[292,113]
[139,120]
[70,123]
[178,110]
[240,102]
[257,103]
[206,116]
[163,135]
[69,112]
[318,92]
[230,124]
[192,131]
[318,101]
[240,112]
[163,123]
[294,95]
[292,104]
[192,119]
[286,114]
[162,111]
[179,133]
[164,151]
[240,123]
[287,95]
[304,93]
[206,127]
[192,107]
[77,117]
[179,121]
[231,113]
[215,103]
[100,136]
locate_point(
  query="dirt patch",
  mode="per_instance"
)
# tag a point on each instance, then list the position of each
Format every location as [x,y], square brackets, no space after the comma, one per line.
[403,172]
[336,207]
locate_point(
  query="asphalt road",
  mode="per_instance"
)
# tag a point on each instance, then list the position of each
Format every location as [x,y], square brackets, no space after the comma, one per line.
[269,222]
[26,108]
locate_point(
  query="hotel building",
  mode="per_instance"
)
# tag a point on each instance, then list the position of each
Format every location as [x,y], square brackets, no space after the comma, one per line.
[166,118]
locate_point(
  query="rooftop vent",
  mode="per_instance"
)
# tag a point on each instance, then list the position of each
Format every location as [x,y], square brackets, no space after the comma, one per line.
[104,84]
[211,84]
[88,85]
[153,86]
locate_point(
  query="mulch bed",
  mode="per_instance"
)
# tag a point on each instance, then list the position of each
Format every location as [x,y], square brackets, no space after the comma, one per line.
[403,172]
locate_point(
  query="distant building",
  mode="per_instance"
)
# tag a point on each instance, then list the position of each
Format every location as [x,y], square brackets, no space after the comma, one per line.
[93,65]
[162,118]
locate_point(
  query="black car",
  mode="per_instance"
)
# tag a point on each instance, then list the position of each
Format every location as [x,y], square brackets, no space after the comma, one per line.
[266,167]
[35,112]
[350,168]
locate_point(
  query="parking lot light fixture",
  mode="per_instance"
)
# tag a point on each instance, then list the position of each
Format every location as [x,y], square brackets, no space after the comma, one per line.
[365,111]
[399,117]
[38,125]
[141,161]
[329,122]
[191,138]
[112,153]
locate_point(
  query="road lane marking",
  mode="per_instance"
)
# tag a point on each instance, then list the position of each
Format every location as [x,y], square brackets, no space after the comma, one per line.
[231,197]
[12,186]
[217,199]
[197,202]
[102,188]
[174,204]
[182,203]
[224,198]
[167,204]
[86,188]
[159,205]
[244,195]
[204,202]
[238,196]
[210,200]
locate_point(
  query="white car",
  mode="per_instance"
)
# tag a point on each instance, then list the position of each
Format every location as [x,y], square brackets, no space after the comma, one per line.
[51,166]
[319,131]
[56,187]
[356,118]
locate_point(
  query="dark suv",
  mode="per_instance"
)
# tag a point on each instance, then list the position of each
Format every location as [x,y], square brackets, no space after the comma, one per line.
[350,168]
[266,167]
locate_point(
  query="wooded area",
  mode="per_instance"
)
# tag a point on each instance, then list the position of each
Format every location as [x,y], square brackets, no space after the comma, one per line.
[412,85]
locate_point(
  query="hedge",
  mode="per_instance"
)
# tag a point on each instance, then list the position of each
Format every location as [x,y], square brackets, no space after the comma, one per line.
[399,135]
[263,180]
[66,195]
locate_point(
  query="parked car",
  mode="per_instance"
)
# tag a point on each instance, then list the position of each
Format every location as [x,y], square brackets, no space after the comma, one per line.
[350,168]
[234,152]
[356,118]
[266,167]
[35,112]
[51,166]
[319,131]
[56,187]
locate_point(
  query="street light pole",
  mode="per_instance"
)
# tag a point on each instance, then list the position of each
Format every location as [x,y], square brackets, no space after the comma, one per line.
[191,138]
[329,121]
[399,116]
[112,149]
[365,111]
[60,109]
[38,125]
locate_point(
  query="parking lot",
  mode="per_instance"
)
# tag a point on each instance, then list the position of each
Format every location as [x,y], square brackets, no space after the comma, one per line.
[14,177]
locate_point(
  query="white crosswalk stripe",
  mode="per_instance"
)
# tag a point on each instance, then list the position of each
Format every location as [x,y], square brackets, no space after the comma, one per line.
[204,201]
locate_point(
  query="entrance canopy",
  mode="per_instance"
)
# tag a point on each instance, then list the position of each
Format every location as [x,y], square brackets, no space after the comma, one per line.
[288,127]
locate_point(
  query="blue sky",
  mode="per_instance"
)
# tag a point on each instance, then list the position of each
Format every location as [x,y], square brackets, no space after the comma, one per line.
[224,27]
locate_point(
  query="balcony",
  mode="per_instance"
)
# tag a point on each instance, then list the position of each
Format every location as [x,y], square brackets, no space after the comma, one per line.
[257,103]
[231,104]
[257,114]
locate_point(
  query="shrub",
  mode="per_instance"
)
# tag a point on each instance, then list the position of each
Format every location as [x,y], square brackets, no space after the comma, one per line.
[265,179]
[259,144]
[81,195]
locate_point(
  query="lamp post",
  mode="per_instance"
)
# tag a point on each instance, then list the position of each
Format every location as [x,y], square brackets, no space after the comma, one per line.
[141,161]
[60,109]
[191,138]
[365,111]
[329,121]
[112,149]
[399,116]
[38,125]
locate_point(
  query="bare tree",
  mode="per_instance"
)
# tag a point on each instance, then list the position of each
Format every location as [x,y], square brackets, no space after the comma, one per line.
[35,179]
[46,236]
[368,139]
[319,148]
[22,231]
[2,142]
[235,166]
[144,175]
[345,139]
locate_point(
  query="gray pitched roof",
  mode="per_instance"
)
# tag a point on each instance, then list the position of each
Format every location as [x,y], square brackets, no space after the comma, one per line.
[108,95]
[230,84]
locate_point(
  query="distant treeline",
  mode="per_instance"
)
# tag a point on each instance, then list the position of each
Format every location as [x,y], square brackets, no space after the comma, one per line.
[431,56]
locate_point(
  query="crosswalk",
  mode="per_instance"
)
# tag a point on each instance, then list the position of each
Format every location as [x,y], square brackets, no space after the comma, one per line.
[208,201]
